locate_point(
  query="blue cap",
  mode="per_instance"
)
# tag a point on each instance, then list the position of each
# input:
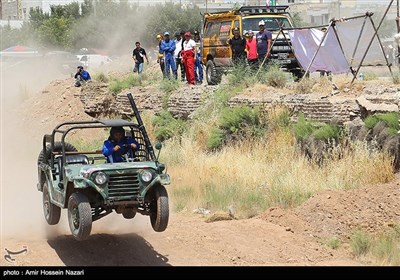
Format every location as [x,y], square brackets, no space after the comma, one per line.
[166,33]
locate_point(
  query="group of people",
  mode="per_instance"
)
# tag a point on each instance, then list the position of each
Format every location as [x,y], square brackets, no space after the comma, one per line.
[250,49]
[181,52]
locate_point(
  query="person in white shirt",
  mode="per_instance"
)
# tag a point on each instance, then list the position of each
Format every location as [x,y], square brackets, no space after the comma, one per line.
[178,54]
[189,56]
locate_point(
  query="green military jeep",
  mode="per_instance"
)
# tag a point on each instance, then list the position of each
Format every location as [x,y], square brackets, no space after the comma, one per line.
[90,188]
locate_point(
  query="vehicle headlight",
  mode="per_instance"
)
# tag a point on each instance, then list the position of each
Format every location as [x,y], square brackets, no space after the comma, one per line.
[100,178]
[146,175]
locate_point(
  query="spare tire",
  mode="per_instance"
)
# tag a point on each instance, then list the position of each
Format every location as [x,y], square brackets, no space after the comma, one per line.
[46,154]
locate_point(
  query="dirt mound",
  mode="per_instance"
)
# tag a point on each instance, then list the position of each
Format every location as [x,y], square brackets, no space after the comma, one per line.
[58,102]
[338,213]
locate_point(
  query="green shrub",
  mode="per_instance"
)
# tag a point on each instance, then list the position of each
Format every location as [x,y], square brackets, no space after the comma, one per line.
[169,86]
[233,119]
[167,126]
[101,77]
[275,76]
[305,85]
[327,131]
[116,86]
[240,74]
[215,139]
[360,243]
[321,131]
[333,242]
[236,124]
[371,121]
[303,128]
[390,119]
[283,119]
[387,246]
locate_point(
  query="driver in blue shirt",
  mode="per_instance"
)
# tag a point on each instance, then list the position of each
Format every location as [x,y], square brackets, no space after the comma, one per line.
[117,145]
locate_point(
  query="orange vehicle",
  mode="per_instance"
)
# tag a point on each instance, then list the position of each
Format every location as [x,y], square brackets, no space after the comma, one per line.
[217,29]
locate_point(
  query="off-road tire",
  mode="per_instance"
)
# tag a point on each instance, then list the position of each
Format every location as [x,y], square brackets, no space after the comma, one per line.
[41,157]
[213,76]
[79,216]
[52,212]
[159,209]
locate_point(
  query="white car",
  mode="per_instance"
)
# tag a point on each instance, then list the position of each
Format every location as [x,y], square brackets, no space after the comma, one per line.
[93,60]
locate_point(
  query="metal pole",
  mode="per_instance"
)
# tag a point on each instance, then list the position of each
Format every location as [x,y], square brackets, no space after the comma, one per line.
[141,127]
[398,31]
[373,37]
[316,52]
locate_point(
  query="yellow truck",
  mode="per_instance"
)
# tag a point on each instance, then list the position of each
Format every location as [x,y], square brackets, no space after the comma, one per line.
[217,29]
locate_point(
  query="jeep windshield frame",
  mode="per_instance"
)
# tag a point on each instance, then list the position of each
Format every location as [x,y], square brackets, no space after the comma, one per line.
[64,128]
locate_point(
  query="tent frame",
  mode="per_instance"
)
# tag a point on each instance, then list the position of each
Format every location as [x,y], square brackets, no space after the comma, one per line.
[367,15]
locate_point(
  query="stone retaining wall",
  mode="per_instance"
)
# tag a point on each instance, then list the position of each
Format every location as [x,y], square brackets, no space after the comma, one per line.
[184,102]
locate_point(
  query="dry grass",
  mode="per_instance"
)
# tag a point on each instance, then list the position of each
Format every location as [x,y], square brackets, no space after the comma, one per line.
[255,175]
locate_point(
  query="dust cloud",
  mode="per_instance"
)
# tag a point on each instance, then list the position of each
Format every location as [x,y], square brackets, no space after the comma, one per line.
[21,206]
[21,213]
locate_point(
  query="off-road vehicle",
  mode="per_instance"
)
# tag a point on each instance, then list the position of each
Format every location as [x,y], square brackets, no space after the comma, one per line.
[90,188]
[217,29]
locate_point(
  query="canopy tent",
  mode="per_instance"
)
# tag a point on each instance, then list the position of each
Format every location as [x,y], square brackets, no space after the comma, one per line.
[347,44]
[19,51]
[328,53]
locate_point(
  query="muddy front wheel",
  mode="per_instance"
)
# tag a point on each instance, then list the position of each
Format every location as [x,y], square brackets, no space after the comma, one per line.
[79,216]
[159,209]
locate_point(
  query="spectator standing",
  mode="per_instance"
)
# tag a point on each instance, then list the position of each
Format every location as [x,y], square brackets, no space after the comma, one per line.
[160,56]
[138,56]
[238,46]
[188,55]
[178,55]
[198,65]
[264,42]
[251,47]
[168,49]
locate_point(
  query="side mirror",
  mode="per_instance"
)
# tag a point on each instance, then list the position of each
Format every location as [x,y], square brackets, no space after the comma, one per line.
[158,145]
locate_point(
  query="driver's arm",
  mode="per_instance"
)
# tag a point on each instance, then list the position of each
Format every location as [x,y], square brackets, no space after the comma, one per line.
[134,144]
[108,148]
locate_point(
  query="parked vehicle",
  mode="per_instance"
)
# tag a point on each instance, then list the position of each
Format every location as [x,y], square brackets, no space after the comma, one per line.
[64,61]
[217,29]
[93,60]
[90,188]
